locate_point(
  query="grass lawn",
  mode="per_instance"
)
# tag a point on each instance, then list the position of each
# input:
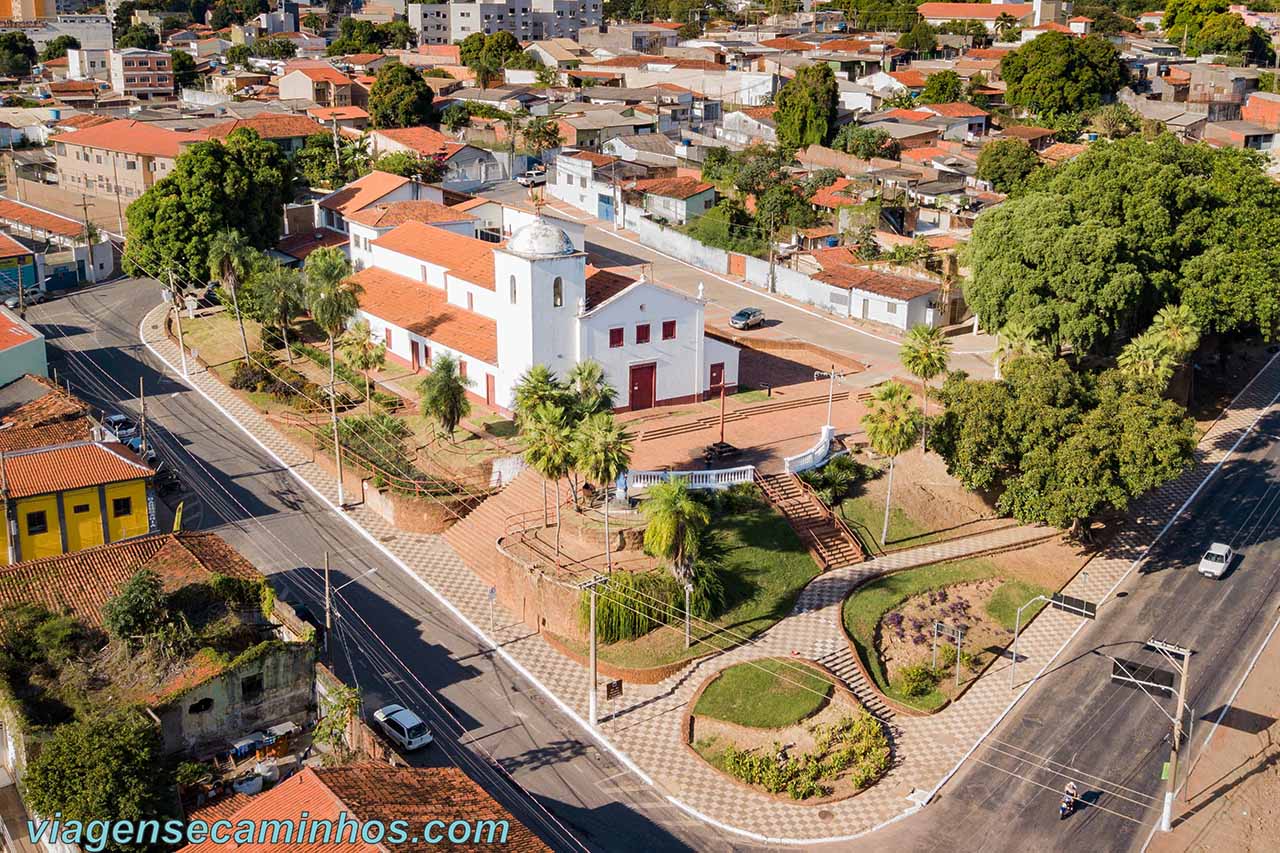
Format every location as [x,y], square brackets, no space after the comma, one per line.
[867,606]
[765,567]
[216,338]
[765,694]
[1005,601]
[865,514]
[754,396]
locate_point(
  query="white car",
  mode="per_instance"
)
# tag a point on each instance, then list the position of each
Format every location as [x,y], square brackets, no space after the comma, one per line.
[1215,561]
[121,426]
[403,726]
[532,179]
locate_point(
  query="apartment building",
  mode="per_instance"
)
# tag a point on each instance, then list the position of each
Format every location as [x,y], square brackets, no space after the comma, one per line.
[144,74]
[629,38]
[527,20]
[88,64]
[123,157]
[430,21]
[324,84]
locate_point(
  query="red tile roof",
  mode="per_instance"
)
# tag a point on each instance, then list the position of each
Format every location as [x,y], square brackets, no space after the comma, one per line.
[340,113]
[55,418]
[269,126]
[363,192]
[324,74]
[787,44]
[130,137]
[303,243]
[80,120]
[759,113]
[973,11]
[399,212]
[832,195]
[420,308]
[845,45]
[908,115]
[11,248]
[361,58]
[838,270]
[958,109]
[84,581]
[448,51]
[466,258]
[1049,26]
[593,158]
[424,140]
[909,77]
[987,53]
[69,466]
[42,220]
[604,284]
[683,188]
[1060,151]
[377,792]
[13,332]
[928,152]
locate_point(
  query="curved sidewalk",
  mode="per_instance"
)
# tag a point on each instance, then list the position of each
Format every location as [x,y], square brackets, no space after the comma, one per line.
[643,727]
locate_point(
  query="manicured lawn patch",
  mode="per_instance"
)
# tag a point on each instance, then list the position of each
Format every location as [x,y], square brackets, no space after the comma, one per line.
[1005,601]
[765,694]
[217,338]
[865,514]
[867,606]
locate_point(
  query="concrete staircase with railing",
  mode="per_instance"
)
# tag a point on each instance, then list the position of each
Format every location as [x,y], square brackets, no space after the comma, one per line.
[475,537]
[827,540]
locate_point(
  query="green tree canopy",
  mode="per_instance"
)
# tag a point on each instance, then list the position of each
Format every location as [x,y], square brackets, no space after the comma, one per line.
[866,142]
[1006,163]
[1226,34]
[406,165]
[238,54]
[1092,249]
[920,39]
[807,107]
[443,394]
[104,768]
[138,609]
[274,48]
[399,97]
[17,54]
[184,69]
[942,87]
[1185,18]
[1106,20]
[470,48]
[138,35]
[58,47]
[240,183]
[1057,73]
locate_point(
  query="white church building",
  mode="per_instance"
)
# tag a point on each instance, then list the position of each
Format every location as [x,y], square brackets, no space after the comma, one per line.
[500,308]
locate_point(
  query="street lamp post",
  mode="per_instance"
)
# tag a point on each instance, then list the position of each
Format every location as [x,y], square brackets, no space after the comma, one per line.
[1017,625]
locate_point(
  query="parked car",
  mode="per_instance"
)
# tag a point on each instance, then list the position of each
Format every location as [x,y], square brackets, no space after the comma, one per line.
[747,318]
[32,296]
[403,726]
[1216,560]
[532,178]
[121,426]
[135,444]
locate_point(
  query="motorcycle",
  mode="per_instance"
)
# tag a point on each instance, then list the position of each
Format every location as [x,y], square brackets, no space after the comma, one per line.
[1066,807]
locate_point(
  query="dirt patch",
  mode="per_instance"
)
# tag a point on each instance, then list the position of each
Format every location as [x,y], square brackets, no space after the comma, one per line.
[1049,564]
[797,739]
[905,637]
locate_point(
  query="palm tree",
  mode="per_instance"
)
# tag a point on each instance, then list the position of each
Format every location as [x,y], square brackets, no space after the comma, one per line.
[536,386]
[891,423]
[1004,23]
[1148,355]
[541,134]
[549,451]
[926,353]
[676,522]
[332,298]
[547,76]
[364,354]
[1177,326]
[602,452]
[444,394]
[230,261]
[1015,340]
[279,290]
[353,156]
[590,390]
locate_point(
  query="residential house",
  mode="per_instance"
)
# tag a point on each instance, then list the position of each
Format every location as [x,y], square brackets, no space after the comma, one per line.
[325,85]
[1039,138]
[559,53]
[87,64]
[647,149]
[143,74]
[749,126]
[744,86]
[1023,14]
[331,211]
[497,220]
[288,131]
[355,118]
[590,181]
[591,129]
[118,158]
[68,497]
[844,285]
[500,309]
[466,166]
[1263,109]
[442,803]
[628,38]
[21,352]
[963,120]
[58,243]
[370,223]
[677,199]
[1240,134]
[18,267]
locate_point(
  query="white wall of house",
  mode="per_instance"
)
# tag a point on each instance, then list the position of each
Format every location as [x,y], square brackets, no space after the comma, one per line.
[680,210]
[428,350]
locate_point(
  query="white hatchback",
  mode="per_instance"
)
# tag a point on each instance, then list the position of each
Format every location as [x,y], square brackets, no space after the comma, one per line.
[403,726]
[1215,561]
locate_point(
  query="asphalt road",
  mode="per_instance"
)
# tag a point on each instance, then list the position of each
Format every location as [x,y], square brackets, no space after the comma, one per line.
[391,638]
[1113,740]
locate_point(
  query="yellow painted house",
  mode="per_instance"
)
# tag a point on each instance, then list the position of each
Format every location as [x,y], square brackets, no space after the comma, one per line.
[68,497]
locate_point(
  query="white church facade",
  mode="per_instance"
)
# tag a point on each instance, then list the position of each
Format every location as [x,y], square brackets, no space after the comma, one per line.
[502,308]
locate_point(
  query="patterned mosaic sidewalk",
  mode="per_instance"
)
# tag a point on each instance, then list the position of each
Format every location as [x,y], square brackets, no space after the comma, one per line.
[644,726]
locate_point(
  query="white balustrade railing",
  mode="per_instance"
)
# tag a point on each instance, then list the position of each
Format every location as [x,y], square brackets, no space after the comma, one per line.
[720,478]
[814,456]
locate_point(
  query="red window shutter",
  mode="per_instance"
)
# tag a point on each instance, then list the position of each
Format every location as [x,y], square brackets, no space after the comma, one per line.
[615,338]
[668,330]
[642,333]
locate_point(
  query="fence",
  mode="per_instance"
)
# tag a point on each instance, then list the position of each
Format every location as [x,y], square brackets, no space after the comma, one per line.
[814,456]
[681,246]
[723,478]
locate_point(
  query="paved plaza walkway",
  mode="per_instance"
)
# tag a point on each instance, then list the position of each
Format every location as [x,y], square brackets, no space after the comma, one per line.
[644,726]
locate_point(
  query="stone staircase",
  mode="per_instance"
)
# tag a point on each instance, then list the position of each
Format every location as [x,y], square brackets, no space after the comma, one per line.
[842,665]
[828,542]
[474,537]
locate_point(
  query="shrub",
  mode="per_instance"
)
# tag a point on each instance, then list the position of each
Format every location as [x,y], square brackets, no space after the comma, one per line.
[917,680]
[946,656]
[138,609]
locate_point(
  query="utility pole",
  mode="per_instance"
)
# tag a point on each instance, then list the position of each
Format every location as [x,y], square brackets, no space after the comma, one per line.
[590,586]
[1171,653]
[831,387]
[328,604]
[177,304]
[115,174]
[688,591]
[142,427]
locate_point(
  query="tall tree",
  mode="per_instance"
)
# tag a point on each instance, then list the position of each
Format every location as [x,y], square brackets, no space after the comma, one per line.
[602,453]
[806,111]
[58,47]
[138,35]
[675,525]
[17,54]
[1015,340]
[399,97]
[1148,355]
[1006,163]
[549,451]
[443,393]
[541,134]
[279,294]
[588,389]
[942,87]
[333,299]
[230,262]
[892,424]
[534,388]
[1056,73]
[364,354]
[925,352]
